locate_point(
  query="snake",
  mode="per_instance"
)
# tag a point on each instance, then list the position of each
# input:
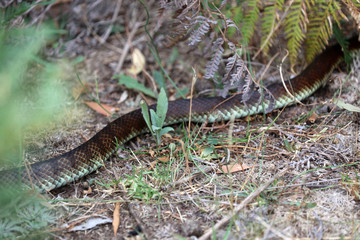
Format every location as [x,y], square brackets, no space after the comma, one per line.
[70,166]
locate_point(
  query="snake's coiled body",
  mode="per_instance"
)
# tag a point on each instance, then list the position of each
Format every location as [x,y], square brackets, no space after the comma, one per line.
[86,158]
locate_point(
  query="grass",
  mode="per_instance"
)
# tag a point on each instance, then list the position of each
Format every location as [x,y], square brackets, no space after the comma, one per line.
[209,194]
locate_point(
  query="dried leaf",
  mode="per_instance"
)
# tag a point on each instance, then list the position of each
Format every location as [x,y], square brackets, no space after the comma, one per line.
[355,192]
[77,91]
[152,164]
[347,106]
[353,188]
[88,191]
[138,62]
[313,117]
[91,223]
[204,27]
[116,218]
[152,153]
[213,64]
[97,108]
[123,97]
[167,136]
[233,168]
[164,159]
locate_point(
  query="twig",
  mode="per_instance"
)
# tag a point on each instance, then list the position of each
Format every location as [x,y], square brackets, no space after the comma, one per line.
[151,80]
[237,209]
[126,47]
[41,15]
[190,111]
[115,15]
[267,67]
[283,81]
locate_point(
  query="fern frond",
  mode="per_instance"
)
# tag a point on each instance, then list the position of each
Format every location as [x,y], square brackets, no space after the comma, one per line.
[236,77]
[251,17]
[230,23]
[320,27]
[269,18]
[204,27]
[295,26]
[248,88]
[214,63]
[237,15]
[231,63]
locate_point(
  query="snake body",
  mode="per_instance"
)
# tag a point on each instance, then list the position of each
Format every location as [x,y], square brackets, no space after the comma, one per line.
[70,166]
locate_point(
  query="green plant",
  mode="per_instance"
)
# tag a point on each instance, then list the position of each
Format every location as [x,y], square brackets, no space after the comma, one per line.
[155,120]
[30,92]
[138,188]
[25,79]
[306,24]
[24,217]
[132,83]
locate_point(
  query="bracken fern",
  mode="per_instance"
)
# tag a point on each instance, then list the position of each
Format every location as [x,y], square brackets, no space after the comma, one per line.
[268,23]
[251,17]
[214,63]
[320,26]
[305,24]
[295,27]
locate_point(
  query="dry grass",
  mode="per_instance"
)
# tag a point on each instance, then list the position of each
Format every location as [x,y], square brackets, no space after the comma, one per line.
[315,198]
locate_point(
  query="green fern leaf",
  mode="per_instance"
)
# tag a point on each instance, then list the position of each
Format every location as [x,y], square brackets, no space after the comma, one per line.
[235,14]
[320,27]
[269,21]
[251,17]
[295,26]
[356,3]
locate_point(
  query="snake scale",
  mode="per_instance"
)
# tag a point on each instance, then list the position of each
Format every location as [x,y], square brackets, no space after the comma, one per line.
[70,166]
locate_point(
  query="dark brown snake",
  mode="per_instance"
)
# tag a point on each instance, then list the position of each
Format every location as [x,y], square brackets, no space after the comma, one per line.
[68,167]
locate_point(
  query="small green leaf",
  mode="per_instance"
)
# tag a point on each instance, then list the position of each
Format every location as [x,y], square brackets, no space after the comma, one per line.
[154,118]
[118,29]
[310,205]
[347,106]
[174,56]
[159,79]
[165,130]
[207,151]
[162,107]
[77,60]
[156,128]
[182,92]
[132,83]
[288,146]
[145,113]
[212,140]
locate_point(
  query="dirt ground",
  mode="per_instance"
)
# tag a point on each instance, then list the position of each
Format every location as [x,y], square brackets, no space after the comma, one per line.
[315,198]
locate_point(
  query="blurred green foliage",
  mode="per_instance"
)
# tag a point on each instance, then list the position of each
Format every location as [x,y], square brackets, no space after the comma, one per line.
[29,87]
[30,93]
